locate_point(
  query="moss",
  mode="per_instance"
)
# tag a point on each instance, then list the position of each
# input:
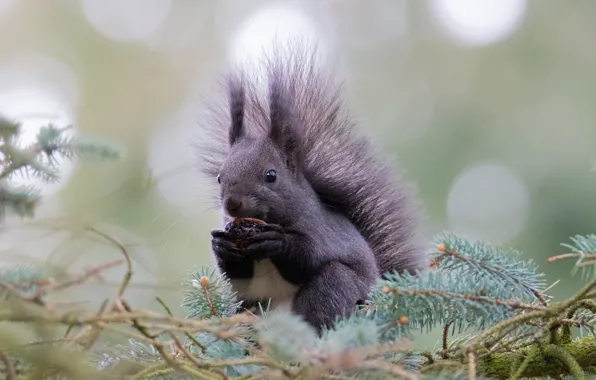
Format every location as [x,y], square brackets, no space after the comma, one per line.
[498,366]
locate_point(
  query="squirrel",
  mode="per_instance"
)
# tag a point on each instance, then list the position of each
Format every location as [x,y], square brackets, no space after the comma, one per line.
[338,215]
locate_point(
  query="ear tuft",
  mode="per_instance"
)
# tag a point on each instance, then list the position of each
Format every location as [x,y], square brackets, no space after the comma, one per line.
[283,130]
[236,99]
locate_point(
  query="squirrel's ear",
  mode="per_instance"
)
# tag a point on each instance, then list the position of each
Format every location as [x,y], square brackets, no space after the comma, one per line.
[283,133]
[236,101]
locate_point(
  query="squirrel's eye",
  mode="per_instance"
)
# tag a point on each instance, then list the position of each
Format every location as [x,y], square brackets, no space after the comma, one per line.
[218,179]
[271,176]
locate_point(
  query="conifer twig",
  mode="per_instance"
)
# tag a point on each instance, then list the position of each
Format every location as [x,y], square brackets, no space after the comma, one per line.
[390,369]
[446,338]
[159,346]
[96,328]
[189,336]
[21,294]
[128,274]
[204,282]
[487,263]
[516,320]
[512,344]
[585,304]
[193,359]
[9,369]
[151,370]
[42,291]
[471,365]
[483,299]
[563,256]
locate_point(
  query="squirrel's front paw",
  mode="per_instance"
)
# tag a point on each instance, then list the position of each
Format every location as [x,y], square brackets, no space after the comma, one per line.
[225,249]
[266,243]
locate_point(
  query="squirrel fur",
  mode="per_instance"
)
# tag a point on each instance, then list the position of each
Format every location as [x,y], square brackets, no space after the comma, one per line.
[339,215]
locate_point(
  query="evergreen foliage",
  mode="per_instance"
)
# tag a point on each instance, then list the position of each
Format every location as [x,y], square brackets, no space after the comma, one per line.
[38,160]
[499,302]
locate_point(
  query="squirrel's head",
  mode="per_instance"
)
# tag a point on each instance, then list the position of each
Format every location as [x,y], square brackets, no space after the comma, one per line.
[261,175]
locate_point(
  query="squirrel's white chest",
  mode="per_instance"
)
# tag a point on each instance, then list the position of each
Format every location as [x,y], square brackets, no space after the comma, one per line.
[265,284]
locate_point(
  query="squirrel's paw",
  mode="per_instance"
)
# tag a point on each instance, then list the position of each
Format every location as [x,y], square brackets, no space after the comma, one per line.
[225,249]
[266,243]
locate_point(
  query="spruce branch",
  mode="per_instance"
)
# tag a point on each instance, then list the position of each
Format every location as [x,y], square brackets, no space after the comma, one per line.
[491,265]
[583,248]
[541,322]
[176,357]
[207,294]
[188,336]
[24,279]
[434,298]
[446,337]
[20,201]
[39,160]
[355,347]
[51,142]
[582,315]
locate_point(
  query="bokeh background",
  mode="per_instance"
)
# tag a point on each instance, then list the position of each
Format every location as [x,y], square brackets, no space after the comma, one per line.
[488,106]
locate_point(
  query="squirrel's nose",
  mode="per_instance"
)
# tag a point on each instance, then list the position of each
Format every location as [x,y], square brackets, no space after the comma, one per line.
[232,204]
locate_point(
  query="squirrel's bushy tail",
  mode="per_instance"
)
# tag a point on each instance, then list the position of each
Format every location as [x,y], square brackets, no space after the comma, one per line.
[345,169]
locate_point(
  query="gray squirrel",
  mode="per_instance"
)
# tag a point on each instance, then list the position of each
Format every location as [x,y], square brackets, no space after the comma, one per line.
[338,215]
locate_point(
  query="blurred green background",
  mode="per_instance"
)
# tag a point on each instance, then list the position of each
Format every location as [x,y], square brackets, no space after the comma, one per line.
[487,105]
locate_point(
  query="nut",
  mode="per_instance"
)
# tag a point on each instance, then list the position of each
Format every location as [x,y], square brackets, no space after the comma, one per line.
[241,228]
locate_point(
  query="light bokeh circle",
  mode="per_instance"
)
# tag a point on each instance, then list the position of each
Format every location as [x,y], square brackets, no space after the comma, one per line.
[126,21]
[478,23]
[488,201]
